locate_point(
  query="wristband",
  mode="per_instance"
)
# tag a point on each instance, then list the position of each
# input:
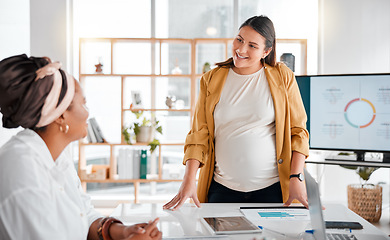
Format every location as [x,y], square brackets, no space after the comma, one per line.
[104,226]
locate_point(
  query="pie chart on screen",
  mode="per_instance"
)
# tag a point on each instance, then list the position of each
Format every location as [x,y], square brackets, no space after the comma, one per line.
[359,113]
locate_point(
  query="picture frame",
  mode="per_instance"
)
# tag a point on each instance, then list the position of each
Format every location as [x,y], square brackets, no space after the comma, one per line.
[136,99]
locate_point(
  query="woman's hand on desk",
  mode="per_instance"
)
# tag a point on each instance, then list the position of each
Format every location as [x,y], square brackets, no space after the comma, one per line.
[297,191]
[187,190]
[143,231]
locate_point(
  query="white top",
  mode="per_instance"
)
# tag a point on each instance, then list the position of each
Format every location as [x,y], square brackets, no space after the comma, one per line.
[40,198]
[245,152]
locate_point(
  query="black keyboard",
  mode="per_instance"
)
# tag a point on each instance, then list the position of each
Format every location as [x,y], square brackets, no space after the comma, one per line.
[340,236]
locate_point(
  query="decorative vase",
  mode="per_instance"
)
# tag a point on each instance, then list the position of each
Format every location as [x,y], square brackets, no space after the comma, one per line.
[145,134]
[289,60]
[366,201]
[170,101]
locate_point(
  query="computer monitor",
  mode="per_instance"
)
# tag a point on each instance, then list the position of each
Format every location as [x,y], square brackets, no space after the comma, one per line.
[348,112]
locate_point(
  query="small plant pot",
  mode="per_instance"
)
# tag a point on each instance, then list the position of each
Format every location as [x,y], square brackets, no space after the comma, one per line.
[366,201]
[145,134]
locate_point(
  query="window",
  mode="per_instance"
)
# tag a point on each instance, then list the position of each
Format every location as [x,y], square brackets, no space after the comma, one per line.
[194,19]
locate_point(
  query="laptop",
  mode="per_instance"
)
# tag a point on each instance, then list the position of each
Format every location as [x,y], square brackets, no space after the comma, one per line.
[317,218]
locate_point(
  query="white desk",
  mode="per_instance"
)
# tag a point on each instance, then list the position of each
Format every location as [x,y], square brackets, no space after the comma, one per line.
[185,222]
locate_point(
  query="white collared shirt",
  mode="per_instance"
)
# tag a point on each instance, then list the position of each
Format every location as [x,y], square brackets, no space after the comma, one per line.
[40,198]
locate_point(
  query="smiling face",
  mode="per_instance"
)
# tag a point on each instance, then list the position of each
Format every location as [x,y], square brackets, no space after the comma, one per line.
[248,49]
[76,115]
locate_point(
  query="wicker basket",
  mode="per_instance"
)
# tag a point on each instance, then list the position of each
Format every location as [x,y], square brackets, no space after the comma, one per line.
[366,201]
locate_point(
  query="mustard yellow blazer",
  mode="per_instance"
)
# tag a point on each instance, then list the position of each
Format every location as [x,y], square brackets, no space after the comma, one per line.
[290,122]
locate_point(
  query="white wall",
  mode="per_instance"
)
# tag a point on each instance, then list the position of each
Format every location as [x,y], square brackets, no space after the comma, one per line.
[48,28]
[14,29]
[292,19]
[14,39]
[36,28]
[354,37]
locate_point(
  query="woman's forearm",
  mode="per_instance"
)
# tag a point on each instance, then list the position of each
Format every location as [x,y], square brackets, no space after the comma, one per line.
[92,233]
[192,166]
[115,230]
[297,162]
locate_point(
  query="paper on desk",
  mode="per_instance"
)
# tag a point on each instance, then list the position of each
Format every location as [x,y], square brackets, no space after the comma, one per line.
[273,218]
[292,214]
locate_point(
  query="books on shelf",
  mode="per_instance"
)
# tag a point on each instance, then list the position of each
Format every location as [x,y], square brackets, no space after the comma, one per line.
[125,163]
[143,164]
[136,163]
[91,136]
[132,163]
[95,134]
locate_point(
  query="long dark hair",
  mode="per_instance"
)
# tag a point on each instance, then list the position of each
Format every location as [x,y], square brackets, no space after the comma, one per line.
[264,26]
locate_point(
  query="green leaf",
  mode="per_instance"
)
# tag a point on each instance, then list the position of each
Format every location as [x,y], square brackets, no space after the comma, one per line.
[126,135]
[146,122]
[137,128]
[365,172]
[138,114]
[159,129]
[153,145]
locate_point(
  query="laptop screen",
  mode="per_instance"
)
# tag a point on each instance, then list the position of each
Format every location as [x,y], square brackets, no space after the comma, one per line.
[315,207]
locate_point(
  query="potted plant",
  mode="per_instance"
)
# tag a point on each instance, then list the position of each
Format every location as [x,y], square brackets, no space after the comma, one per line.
[365,199]
[144,130]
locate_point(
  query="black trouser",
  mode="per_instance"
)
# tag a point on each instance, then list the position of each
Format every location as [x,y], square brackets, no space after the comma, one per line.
[221,194]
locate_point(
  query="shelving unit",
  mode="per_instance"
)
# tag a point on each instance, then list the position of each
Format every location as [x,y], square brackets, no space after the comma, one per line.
[148,62]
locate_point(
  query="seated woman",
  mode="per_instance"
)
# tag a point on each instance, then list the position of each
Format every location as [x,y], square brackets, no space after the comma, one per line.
[40,193]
